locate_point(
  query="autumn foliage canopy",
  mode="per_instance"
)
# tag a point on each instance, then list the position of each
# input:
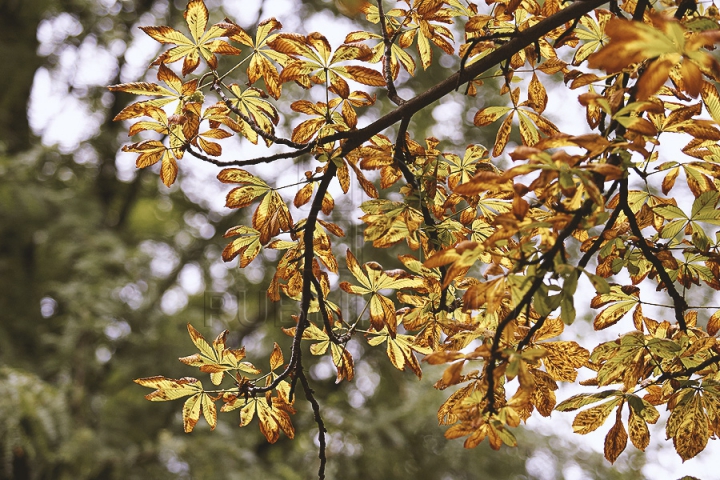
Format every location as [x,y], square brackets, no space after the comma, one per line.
[490,259]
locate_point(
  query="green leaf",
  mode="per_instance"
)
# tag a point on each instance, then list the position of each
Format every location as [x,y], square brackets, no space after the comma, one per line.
[671,229]
[582,399]
[601,285]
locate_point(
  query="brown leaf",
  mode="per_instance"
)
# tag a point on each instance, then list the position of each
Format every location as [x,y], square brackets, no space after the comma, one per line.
[503,135]
[654,76]
[304,195]
[616,439]
[168,170]
[592,418]
[713,325]
[364,75]
[276,357]
[537,94]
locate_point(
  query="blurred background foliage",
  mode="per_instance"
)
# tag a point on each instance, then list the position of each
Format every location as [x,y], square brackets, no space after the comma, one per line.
[101,267]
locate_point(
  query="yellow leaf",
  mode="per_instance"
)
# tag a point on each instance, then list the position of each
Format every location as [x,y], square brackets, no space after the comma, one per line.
[654,76]
[276,357]
[203,44]
[711,99]
[243,196]
[621,303]
[503,135]
[191,412]
[168,388]
[688,427]
[528,131]
[563,359]
[168,169]
[216,359]
[639,433]
[271,217]
[273,415]
[537,94]
[304,195]
[713,325]
[592,418]
[488,115]
[209,410]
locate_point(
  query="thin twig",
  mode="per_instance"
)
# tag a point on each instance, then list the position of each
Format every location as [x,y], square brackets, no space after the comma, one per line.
[678,300]
[544,267]
[309,394]
[255,127]
[326,318]
[688,371]
[518,42]
[387,62]
[252,161]
[596,244]
[402,160]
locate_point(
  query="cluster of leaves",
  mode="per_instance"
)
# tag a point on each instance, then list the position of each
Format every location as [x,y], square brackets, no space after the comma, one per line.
[491,259]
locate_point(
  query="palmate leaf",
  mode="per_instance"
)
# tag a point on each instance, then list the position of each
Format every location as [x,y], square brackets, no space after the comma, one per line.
[263,59]
[247,245]
[563,359]
[170,389]
[462,170]
[216,359]
[372,279]
[398,56]
[531,123]
[315,62]
[252,187]
[341,358]
[251,103]
[271,217]
[151,152]
[211,148]
[400,350]
[203,44]
[307,129]
[665,42]
[420,27]
[273,415]
[177,92]
[201,402]
[688,424]
[390,222]
[592,32]
[621,300]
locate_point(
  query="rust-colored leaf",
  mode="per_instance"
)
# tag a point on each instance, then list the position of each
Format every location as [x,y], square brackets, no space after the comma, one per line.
[616,439]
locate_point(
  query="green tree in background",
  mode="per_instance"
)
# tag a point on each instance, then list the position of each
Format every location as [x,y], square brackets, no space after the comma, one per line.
[100,271]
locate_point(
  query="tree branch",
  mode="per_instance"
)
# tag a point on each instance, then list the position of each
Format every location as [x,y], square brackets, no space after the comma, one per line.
[548,260]
[255,127]
[326,319]
[401,160]
[309,394]
[519,41]
[252,161]
[688,371]
[678,301]
[387,61]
